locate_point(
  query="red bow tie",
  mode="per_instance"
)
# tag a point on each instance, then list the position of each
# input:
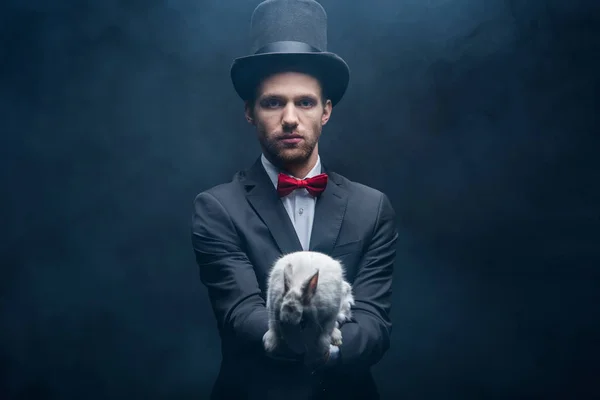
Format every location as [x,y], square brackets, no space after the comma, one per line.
[287,184]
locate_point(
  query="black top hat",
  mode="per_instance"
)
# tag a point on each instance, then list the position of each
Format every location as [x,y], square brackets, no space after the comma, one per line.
[290,34]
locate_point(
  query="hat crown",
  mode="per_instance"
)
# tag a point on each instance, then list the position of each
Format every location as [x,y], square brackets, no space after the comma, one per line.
[288,20]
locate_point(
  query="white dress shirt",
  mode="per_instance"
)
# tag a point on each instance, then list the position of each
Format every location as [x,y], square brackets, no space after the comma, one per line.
[300,206]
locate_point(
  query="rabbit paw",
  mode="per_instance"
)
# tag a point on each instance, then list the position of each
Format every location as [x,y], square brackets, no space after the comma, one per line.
[336,337]
[270,341]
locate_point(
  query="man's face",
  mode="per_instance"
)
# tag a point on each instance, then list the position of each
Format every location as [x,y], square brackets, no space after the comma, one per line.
[289,114]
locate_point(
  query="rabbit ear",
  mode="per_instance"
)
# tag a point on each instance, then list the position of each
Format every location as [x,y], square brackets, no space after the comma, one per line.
[310,287]
[287,277]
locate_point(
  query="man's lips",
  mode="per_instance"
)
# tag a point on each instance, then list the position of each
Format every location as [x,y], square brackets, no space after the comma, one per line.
[294,136]
[291,139]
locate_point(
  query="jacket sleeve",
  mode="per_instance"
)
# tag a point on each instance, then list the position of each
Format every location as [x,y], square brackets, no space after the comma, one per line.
[367,337]
[228,275]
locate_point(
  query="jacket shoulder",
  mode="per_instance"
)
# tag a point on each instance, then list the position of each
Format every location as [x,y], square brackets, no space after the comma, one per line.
[358,189]
[226,190]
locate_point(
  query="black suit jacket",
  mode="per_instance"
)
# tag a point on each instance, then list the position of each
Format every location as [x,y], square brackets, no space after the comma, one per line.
[240,228]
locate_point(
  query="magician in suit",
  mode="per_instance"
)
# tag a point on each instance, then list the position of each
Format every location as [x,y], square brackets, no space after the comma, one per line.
[289,201]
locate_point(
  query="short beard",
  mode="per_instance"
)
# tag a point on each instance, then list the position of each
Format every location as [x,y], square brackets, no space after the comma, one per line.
[282,159]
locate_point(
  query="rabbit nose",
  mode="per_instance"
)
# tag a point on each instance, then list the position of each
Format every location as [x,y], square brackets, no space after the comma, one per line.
[290,308]
[291,314]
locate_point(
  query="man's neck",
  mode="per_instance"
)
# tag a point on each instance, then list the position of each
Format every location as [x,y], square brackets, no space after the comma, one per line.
[299,171]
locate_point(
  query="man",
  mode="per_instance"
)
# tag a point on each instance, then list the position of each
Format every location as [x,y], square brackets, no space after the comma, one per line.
[287,201]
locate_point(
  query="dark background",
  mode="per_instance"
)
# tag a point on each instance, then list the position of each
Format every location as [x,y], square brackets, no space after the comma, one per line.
[477,118]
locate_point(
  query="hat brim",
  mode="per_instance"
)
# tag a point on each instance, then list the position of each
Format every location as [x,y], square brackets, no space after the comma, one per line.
[246,72]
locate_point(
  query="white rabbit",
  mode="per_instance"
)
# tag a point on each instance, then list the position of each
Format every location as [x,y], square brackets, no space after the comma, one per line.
[308,299]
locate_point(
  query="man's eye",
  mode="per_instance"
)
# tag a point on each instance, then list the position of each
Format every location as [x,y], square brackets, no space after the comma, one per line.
[271,103]
[306,103]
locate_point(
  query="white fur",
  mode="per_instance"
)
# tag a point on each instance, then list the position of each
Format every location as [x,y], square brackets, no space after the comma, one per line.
[324,312]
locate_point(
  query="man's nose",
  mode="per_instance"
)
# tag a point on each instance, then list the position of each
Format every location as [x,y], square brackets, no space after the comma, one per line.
[290,115]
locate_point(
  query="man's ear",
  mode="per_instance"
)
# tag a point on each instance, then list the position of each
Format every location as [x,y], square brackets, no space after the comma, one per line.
[327,109]
[249,112]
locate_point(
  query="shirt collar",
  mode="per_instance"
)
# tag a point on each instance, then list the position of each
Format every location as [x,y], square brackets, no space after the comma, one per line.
[273,171]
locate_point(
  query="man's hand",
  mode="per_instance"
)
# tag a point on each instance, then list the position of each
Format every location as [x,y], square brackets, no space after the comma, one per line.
[326,359]
[282,352]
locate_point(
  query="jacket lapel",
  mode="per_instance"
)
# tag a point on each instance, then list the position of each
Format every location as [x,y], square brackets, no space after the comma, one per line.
[329,214]
[263,198]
